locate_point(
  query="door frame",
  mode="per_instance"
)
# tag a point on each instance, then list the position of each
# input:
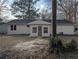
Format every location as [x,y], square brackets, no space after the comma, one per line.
[39,30]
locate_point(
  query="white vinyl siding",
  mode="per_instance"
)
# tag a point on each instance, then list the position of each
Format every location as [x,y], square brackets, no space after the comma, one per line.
[13,27]
[3,28]
[66,29]
[47,30]
[20,29]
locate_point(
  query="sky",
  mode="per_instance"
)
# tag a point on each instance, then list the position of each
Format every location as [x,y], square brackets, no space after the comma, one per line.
[39,5]
[44,3]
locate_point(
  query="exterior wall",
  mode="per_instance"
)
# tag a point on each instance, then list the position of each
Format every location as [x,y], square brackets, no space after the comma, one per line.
[3,28]
[43,34]
[66,29]
[20,29]
[49,31]
[33,34]
[23,29]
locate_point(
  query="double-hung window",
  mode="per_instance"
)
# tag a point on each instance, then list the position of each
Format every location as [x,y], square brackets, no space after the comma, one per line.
[13,27]
[34,29]
[45,29]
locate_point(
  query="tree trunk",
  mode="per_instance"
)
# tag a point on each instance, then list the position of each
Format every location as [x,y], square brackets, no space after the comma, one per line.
[54,7]
[29,9]
[75,12]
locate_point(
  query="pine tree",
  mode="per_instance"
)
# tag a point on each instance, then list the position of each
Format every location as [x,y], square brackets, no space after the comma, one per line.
[26,8]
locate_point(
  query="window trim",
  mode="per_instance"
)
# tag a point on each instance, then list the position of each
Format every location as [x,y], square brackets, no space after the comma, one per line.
[34,29]
[13,27]
[45,30]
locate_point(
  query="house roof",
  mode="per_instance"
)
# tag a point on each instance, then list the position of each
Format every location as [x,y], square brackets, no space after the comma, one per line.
[1,23]
[20,21]
[38,22]
[61,22]
[27,21]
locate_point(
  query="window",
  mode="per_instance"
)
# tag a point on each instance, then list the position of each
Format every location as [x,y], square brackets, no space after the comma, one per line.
[45,29]
[27,25]
[61,33]
[13,27]
[34,29]
[76,29]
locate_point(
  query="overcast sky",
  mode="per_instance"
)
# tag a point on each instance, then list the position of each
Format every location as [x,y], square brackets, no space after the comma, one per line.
[44,3]
[40,4]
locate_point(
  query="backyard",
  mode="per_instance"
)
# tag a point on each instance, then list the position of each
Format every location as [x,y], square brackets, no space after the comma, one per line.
[24,46]
[9,41]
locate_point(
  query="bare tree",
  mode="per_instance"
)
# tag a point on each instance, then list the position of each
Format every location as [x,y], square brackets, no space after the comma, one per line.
[69,8]
[3,7]
[45,14]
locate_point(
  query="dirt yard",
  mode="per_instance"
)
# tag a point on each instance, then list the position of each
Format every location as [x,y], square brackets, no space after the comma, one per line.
[22,46]
[9,41]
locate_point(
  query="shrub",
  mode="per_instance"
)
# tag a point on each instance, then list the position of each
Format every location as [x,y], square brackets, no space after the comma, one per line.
[53,41]
[56,45]
[60,46]
[71,46]
[51,45]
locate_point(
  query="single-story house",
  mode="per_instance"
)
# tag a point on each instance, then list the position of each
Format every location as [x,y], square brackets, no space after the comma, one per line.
[19,26]
[44,28]
[39,27]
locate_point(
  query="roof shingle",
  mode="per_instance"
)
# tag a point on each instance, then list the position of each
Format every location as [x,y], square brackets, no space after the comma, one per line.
[26,21]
